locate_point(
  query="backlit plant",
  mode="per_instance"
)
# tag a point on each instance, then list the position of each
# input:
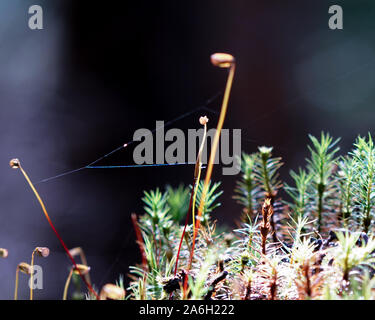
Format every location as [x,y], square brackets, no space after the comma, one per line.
[309,239]
[312,257]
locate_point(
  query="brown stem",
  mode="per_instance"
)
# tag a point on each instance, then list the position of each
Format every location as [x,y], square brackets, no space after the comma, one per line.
[265,226]
[139,240]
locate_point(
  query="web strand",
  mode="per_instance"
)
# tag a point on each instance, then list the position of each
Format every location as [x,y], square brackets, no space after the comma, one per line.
[140,165]
[91,164]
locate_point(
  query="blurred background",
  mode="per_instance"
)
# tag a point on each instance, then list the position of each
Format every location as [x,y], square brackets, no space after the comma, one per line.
[98,71]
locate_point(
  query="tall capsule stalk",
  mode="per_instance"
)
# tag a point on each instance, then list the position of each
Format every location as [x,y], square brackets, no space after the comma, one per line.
[221,60]
[197,173]
[42,252]
[198,166]
[24,268]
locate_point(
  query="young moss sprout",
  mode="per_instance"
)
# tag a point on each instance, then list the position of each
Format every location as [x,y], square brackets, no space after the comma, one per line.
[321,165]
[41,252]
[247,191]
[79,269]
[112,292]
[24,268]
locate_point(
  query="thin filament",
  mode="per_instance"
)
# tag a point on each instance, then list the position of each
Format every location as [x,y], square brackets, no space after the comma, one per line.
[67,284]
[32,275]
[16,284]
[90,165]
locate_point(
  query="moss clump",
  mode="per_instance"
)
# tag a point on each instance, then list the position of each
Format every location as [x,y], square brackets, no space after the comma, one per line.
[316,243]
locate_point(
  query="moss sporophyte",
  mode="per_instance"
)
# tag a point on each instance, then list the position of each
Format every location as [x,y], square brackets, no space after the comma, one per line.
[310,238]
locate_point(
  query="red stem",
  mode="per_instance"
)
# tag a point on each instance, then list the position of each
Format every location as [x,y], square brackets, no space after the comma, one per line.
[182,236]
[139,239]
[183,232]
[88,285]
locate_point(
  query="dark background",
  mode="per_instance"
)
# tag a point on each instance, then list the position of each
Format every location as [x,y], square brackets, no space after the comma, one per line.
[98,71]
